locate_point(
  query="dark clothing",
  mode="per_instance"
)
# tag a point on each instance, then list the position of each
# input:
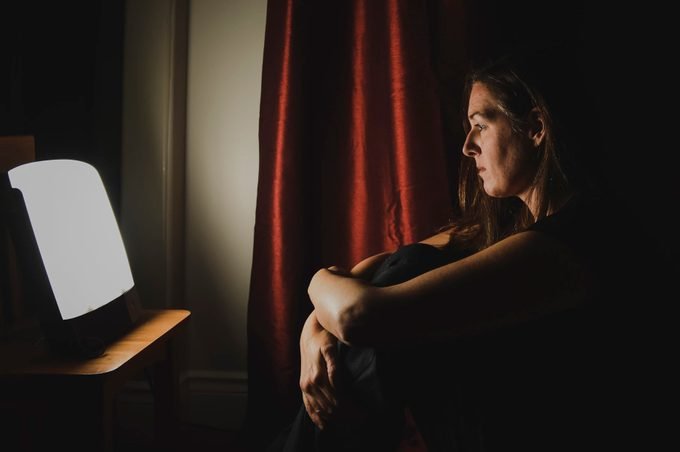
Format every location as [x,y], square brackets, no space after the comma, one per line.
[576,380]
[612,350]
[571,381]
[370,385]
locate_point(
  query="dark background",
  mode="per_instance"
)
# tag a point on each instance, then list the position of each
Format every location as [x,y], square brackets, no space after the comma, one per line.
[627,52]
[61,80]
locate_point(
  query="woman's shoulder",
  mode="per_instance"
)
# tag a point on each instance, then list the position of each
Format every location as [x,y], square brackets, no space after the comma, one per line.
[602,236]
[582,223]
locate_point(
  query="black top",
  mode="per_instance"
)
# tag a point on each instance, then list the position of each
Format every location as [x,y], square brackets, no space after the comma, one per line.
[576,379]
[559,382]
[410,261]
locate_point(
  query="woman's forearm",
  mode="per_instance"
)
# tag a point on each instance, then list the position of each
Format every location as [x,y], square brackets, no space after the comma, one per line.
[311,326]
[341,303]
[338,313]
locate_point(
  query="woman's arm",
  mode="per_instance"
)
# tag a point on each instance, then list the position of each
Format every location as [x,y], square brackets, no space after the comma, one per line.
[318,366]
[318,370]
[525,275]
[367,267]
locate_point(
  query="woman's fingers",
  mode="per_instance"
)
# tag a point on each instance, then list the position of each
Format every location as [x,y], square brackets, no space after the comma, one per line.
[326,400]
[329,355]
[313,412]
[318,390]
[338,270]
[318,395]
[317,376]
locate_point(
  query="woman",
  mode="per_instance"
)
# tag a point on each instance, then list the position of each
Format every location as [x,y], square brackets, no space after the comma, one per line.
[519,344]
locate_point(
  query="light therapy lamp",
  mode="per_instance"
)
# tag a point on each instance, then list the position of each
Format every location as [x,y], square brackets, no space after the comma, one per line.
[71,254]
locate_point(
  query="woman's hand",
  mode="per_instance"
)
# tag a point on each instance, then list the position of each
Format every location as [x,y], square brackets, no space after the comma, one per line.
[318,371]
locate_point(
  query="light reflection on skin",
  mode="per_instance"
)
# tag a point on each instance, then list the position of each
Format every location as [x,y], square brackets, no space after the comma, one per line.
[505,159]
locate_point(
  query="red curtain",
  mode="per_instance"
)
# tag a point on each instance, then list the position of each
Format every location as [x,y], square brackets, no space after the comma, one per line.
[353,160]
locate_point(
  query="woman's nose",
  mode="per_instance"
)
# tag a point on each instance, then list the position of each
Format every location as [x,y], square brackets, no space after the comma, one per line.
[470,149]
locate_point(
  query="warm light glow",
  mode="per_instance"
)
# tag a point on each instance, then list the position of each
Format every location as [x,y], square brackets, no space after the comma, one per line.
[76,232]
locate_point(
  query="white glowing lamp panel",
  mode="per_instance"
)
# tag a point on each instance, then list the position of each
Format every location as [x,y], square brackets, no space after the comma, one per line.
[76,232]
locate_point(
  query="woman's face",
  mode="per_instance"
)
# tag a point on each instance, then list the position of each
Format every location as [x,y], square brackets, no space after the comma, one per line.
[504,159]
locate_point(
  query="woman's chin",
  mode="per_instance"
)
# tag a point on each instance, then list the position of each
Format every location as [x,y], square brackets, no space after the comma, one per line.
[493,193]
[498,194]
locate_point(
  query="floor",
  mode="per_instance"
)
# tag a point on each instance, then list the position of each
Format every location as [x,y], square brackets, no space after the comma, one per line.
[194,438]
[133,429]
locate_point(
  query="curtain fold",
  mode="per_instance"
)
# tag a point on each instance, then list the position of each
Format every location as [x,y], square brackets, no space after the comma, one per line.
[352,163]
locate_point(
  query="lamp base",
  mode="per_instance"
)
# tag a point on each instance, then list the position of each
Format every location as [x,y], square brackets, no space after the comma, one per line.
[88,335]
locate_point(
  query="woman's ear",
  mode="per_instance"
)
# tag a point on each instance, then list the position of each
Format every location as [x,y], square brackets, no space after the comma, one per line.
[536,126]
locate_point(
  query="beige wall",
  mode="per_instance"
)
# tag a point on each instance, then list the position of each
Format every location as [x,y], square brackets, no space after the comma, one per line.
[153,139]
[226,40]
[190,162]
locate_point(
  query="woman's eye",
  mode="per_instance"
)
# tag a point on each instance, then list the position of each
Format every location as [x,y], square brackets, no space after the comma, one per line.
[480,127]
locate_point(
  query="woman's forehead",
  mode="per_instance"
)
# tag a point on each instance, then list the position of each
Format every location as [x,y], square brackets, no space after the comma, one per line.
[482,101]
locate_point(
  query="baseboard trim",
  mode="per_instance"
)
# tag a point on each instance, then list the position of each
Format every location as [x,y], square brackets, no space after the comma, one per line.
[215,399]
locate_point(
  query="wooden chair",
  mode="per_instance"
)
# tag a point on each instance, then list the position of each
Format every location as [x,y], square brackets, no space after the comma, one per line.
[14,151]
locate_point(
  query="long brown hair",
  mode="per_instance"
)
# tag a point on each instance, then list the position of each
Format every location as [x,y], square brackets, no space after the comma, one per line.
[519,84]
